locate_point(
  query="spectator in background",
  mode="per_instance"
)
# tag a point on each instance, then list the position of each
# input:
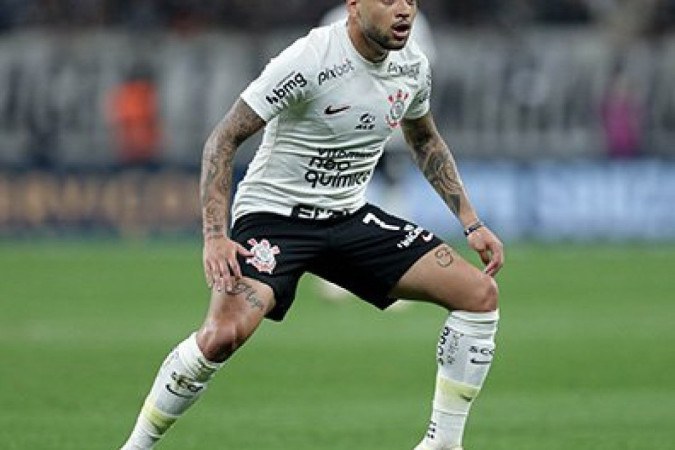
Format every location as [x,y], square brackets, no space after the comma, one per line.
[134,119]
[621,114]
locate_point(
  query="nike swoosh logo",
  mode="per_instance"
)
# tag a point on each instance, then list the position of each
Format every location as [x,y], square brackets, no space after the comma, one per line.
[466,398]
[480,361]
[168,388]
[330,110]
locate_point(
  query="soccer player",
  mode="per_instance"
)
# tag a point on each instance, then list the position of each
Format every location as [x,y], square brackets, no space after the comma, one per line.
[393,157]
[328,104]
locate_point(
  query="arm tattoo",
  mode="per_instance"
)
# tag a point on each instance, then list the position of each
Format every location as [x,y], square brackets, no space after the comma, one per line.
[441,172]
[436,162]
[217,161]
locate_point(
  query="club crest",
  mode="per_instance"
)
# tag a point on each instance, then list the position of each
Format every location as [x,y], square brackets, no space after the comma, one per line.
[263,255]
[397,108]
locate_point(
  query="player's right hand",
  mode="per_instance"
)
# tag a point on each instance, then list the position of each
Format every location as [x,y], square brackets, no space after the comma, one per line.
[221,268]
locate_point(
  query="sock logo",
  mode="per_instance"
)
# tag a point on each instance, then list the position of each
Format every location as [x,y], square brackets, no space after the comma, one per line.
[448,346]
[466,398]
[183,386]
[431,431]
[485,354]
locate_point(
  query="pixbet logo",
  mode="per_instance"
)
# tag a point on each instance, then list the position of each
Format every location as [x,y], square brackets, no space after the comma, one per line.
[286,86]
[336,71]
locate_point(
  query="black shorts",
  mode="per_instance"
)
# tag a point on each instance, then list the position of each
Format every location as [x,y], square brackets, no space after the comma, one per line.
[366,252]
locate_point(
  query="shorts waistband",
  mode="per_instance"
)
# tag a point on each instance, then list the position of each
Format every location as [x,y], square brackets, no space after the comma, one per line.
[315,212]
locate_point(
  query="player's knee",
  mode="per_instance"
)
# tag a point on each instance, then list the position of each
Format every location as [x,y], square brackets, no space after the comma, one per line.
[487,295]
[219,341]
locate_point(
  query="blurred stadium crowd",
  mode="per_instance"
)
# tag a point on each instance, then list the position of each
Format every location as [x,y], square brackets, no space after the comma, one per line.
[655,15]
[554,108]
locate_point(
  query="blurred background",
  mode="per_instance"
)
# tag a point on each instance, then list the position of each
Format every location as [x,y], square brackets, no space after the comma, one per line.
[561,112]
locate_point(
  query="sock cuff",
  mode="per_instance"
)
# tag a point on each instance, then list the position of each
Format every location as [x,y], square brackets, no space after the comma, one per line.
[473,324]
[477,317]
[193,358]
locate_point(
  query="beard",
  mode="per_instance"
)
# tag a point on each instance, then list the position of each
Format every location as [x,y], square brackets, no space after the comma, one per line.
[383,40]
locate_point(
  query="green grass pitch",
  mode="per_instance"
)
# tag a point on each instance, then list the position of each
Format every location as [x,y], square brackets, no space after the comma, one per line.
[584,359]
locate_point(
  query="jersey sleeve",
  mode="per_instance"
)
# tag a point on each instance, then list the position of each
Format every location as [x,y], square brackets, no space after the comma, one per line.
[285,81]
[421,102]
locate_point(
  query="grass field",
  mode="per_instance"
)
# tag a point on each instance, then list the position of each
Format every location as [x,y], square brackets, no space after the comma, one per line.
[584,360]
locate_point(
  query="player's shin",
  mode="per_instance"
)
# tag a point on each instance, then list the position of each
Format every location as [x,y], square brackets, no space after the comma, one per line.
[180,381]
[465,351]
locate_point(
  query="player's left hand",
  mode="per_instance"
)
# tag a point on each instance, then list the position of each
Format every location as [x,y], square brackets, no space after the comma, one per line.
[490,249]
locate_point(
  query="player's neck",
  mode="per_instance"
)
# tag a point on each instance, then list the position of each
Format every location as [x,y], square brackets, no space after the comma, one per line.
[365,46]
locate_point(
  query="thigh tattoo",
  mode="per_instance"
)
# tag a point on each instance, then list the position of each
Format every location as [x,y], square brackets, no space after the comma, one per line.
[249,294]
[444,256]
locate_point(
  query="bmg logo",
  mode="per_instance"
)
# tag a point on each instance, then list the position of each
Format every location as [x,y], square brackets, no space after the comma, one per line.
[286,86]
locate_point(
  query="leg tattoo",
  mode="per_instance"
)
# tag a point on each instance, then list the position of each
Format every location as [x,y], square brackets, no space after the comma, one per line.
[250,294]
[444,256]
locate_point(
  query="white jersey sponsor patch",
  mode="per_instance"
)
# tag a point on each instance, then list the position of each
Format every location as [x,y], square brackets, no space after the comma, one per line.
[264,254]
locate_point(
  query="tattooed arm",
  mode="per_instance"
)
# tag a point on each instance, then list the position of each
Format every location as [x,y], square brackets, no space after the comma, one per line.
[220,253]
[435,160]
[438,165]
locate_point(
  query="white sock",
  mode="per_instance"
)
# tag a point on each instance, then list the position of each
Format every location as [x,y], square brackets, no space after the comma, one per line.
[179,382]
[465,350]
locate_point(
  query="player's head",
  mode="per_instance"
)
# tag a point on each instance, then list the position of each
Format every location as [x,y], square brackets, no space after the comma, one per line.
[384,24]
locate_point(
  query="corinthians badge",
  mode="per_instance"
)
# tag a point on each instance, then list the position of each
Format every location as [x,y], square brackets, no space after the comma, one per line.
[263,255]
[397,108]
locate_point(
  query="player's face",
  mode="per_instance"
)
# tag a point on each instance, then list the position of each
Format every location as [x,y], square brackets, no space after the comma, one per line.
[385,23]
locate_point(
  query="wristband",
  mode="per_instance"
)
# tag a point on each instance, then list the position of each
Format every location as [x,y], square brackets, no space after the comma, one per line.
[473,227]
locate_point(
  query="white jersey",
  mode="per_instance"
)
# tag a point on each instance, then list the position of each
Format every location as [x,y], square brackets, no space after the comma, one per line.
[329,113]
